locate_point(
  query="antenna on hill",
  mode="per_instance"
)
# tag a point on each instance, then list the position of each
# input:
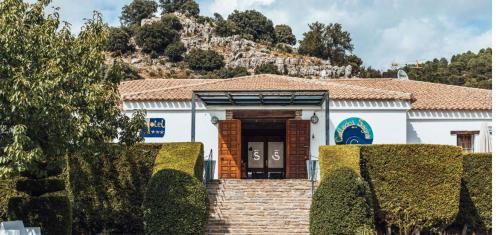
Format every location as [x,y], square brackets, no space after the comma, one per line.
[402,75]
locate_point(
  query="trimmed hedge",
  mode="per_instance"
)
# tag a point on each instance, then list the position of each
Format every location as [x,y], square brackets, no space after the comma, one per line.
[7,191]
[414,187]
[51,213]
[175,203]
[476,195]
[186,157]
[37,187]
[341,204]
[333,157]
[107,188]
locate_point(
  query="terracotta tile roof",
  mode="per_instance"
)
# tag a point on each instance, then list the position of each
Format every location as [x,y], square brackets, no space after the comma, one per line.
[179,91]
[424,95]
[430,96]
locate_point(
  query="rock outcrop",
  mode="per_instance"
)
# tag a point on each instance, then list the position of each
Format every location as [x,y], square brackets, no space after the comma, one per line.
[238,51]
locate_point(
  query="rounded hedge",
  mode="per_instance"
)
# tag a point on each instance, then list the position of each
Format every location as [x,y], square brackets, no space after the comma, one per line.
[204,60]
[175,203]
[341,204]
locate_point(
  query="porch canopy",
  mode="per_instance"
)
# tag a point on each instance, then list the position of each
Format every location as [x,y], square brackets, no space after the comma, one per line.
[264,98]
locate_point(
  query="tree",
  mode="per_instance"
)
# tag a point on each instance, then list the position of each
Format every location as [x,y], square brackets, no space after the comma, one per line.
[175,51]
[327,42]
[284,34]
[189,7]
[56,93]
[204,60]
[119,41]
[138,10]
[155,37]
[171,21]
[252,25]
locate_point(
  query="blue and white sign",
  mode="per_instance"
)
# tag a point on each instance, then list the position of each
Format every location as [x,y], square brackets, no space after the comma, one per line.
[353,131]
[155,128]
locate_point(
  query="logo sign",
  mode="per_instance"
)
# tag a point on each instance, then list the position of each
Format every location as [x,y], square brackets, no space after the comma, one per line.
[155,128]
[353,131]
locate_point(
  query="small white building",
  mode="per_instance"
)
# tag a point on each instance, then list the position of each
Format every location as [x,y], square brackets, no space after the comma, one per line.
[267,126]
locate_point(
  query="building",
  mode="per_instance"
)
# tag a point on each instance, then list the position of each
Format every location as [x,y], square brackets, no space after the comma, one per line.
[267,126]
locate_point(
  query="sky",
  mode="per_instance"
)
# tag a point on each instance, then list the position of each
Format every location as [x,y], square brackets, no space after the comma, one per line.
[382,31]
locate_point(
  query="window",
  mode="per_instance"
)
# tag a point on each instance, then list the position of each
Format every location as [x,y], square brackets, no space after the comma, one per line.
[466,141]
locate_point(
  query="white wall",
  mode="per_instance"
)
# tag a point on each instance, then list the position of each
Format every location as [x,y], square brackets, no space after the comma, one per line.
[438,131]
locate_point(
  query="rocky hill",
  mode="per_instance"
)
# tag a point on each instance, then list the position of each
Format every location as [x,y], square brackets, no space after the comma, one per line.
[236,50]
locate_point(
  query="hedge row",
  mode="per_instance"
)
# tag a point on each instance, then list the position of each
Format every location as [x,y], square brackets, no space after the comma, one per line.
[176,201]
[341,204]
[107,188]
[476,194]
[414,187]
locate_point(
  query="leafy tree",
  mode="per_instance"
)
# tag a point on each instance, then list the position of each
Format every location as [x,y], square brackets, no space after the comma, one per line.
[204,60]
[56,93]
[170,20]
[284,34]
[267,69]
[174,51]
[252,25]
[327,42]
[138,10]
[155,37]
[119,41]
[126,71]
[465,69]
[189,7]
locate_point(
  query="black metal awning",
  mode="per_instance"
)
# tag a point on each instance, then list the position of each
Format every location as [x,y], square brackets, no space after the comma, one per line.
[255,98]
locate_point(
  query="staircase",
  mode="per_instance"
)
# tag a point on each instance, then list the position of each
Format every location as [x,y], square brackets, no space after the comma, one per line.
[259,206]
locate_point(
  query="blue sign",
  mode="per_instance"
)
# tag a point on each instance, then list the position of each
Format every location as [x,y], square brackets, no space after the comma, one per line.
[155,128]
[353,131]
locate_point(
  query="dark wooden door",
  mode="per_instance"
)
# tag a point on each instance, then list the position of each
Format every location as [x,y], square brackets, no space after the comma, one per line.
[297,148]
[230,149]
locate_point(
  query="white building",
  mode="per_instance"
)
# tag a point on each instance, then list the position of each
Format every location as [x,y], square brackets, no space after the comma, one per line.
[268,125]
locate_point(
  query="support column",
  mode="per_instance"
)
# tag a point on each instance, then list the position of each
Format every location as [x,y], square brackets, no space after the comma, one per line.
[327,118]
[193,117]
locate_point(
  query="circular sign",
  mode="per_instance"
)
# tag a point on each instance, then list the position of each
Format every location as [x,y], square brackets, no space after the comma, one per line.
[353,131]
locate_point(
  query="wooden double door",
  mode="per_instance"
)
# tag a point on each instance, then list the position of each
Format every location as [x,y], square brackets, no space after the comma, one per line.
[291,163]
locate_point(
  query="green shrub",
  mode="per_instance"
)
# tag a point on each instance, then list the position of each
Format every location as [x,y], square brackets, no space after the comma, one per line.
[227,73]
[204,60]
[267,69]
[284,34]
[119,41]
[7,191]
[189,7]
[107,188]
[416,187]
[252,25]
[155,37]
[185,157]
[138,10]
[341,204]
[38,187]
[476,195]
[51,213]
[174,51]
[333,157]
[171,21]
[175,203]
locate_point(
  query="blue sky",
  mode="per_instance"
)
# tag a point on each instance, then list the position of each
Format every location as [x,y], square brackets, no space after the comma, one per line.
[383,31]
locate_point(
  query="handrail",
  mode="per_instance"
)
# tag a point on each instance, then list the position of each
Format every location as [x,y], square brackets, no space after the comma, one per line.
[208,168]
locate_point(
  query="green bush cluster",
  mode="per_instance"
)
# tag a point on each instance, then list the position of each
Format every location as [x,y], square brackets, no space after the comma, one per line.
[476,194]
[227,73]
[341,204]
[51,213]
[189,7]
[174,51]
[414,187]
[267,69]
[7,191]
[107,188]
[176,201]
[155,37]
[119,41]
[138,10]
[204,60]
